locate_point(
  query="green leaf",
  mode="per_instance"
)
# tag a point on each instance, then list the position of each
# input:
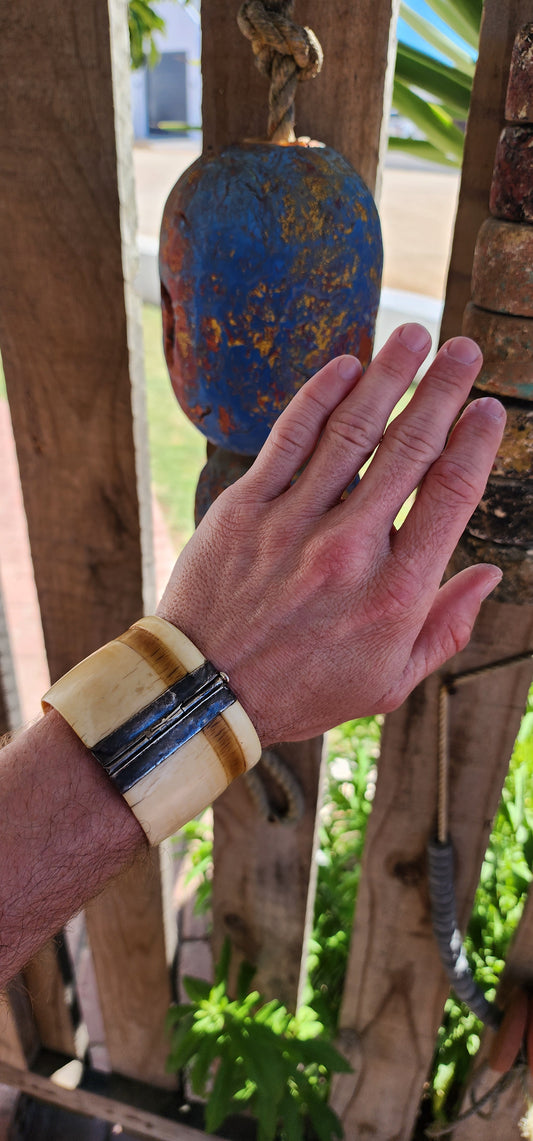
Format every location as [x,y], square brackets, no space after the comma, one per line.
[291,1118]
[197,989]
[220,1098]
[207,1052]
[438,81]
[176,1013]
[459,16]
[321,1053]
[438,40]
[420,148]
[438,127]
[184,1045]
[244,979]
[326,1124]
[222,967]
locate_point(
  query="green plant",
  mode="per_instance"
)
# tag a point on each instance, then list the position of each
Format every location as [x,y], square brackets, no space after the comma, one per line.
[351,770]
[177,450]
[245,1053]
[143,21]
[435,95]
[195,842]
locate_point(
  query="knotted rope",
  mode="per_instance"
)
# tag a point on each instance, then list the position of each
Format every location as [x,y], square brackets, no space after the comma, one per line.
[285,52]
[279,771]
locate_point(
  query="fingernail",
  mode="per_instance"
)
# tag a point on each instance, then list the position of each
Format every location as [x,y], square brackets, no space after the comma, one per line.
[349,367]
[491,407]
[415,337]
[463,350]
[493,581]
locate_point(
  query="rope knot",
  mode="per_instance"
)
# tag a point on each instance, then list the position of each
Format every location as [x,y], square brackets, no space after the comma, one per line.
[285,52]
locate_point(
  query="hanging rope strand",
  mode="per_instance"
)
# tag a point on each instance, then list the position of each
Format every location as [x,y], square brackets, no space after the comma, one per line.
[285,53]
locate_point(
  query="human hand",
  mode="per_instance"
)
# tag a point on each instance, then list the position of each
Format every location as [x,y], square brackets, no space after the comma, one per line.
[319,610]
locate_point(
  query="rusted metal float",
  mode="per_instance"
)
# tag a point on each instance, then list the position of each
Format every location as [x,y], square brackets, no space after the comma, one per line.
[270,264]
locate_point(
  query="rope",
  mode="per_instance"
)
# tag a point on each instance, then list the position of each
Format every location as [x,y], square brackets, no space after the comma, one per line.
[285,778]
[285,53]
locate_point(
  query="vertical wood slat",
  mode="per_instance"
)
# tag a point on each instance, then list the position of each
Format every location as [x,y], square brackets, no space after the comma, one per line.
[395,987]
[18,1033]
[501,21]
[63,333]
[19,1040]
[262,870]
[346,106]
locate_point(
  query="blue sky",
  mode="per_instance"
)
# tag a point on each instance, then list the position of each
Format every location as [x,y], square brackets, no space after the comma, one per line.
[406,34]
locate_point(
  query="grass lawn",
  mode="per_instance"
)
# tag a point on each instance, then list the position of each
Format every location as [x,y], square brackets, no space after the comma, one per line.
[177,449]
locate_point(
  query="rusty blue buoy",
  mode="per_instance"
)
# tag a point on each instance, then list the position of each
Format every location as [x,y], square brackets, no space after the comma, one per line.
[270,264]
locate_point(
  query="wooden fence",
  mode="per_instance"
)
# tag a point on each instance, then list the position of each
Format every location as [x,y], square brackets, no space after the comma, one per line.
[71,350]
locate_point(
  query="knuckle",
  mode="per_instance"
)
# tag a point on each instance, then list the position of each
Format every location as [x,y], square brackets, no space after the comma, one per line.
[411,443]
[358,430]
[291,436]
[330,561]
[456,480]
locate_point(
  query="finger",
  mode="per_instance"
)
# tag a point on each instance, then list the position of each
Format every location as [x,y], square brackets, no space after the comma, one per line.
[296,432]
[356,425]
[450,622]
[449,494]
[417,436]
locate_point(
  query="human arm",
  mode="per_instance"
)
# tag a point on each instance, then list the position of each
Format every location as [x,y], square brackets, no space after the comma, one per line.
[316,609]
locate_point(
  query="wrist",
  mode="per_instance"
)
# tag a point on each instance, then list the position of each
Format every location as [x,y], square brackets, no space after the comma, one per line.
[161,720]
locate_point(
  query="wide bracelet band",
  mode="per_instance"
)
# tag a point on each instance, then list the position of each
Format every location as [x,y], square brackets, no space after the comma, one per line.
[162,722]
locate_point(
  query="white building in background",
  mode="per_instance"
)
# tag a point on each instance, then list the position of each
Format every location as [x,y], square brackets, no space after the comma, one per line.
[171,92]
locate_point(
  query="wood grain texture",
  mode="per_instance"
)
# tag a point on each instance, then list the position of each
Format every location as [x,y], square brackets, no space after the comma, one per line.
[501,21]
[345,106]
[395,987]
[137,1121]
[261,879]
[262,870]
[19,1040]
[64,336]
[126,925]
[52,1012]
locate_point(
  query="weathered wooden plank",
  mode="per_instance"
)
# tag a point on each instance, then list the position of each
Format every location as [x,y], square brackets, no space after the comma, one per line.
[261,878]
[52,1011]
[140,1122]
[262,869]
[346,106]
[66,344]
[395,987]
[19,1040]
[500,24]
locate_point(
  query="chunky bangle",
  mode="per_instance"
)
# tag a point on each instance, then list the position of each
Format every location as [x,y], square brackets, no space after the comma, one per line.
[162,722]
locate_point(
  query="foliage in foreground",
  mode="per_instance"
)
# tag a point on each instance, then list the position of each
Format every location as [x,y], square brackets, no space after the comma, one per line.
[505,878]
[434,94]
[245,1053]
